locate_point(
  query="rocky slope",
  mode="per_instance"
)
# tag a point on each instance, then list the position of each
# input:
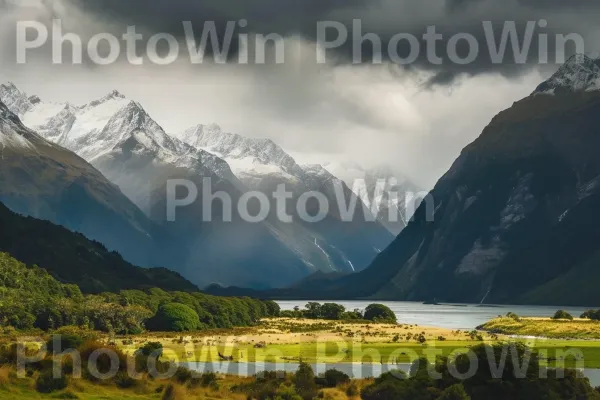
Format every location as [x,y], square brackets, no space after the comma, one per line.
[43,180]
[119,138]
[515,218]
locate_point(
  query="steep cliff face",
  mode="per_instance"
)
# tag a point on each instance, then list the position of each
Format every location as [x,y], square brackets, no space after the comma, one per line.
[517,215]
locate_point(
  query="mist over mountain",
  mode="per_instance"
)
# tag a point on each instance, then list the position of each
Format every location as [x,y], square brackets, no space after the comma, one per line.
[516,217]
[119,138]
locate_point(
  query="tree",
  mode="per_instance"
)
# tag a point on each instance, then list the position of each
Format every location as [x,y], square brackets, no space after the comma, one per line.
[332,311]
[379,312]
[313,310]
[304,380]
[562,314]
[174,317]
[454,392]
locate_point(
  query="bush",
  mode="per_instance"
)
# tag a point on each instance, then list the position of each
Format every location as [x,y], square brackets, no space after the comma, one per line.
[333,378]
[174,317]
[64,342]
[304,379]
[47,383]
[512,315]
[183,375]
[594,315]
[151,348]
[173,392]
[561,314]
[379,312]
[332,311]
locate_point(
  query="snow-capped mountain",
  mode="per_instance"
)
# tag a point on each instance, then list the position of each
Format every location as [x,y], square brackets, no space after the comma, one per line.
[262,165]
[251,160]
[579,74]
[389,188]
[46,181]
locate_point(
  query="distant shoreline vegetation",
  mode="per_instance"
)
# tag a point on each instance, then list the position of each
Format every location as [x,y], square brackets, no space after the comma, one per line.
[336,312]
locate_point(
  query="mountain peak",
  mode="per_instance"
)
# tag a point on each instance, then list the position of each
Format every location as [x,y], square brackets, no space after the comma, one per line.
[579,73]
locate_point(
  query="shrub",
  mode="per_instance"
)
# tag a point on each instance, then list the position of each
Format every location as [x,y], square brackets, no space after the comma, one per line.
[334,378]
[561,314]
[183,375]
[594,315]
[352,390]
[454,392]
[64,342]
[151,348]
[304,379]
[379,312]
[512,315]
[124,381]
[173,392]
[174,317]
[47,383]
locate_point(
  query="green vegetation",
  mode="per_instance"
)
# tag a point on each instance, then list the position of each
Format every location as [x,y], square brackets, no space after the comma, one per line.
[483,384]
[72,258]
[379,312]
[593,315]
[563,328]
[562,314]
[337,312]
[32,298]
[174,317]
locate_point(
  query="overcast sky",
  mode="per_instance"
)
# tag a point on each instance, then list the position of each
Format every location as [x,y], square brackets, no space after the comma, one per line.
[416,118]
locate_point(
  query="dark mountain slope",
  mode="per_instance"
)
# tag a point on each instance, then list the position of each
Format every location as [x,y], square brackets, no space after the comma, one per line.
[72,258]
[46,181]
[518,211]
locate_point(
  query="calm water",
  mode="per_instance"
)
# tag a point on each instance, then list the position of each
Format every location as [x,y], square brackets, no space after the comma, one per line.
[452,316]
[352,370]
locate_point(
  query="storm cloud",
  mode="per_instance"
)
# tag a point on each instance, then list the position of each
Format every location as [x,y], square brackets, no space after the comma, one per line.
[416,117]
[384,18]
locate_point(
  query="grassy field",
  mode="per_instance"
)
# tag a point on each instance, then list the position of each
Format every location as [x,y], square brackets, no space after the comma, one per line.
[289,341]
[545,327]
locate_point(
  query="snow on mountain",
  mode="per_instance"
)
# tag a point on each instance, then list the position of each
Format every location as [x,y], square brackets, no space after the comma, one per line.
[579,74]
[102,127]
[9,135]
[250,159]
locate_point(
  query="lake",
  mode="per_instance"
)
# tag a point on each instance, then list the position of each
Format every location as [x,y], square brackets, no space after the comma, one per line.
[451,316]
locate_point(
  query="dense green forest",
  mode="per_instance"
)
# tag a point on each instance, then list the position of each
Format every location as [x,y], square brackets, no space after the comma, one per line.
[72,258]
[32,298]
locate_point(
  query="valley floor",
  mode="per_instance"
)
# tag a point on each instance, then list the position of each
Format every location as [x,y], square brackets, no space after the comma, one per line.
[314,341]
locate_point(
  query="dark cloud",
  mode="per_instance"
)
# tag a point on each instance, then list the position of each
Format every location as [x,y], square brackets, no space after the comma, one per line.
[383,17]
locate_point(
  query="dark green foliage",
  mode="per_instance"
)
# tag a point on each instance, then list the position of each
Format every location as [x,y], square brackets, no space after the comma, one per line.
[304,380]
[332,311]
[174,317]
[561,314]
[64,342]
[512,382]
[72,258]
[154,349]
[32,298]
[594,315]
[332,378]
[46,383]
[379,312]
[512,315]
